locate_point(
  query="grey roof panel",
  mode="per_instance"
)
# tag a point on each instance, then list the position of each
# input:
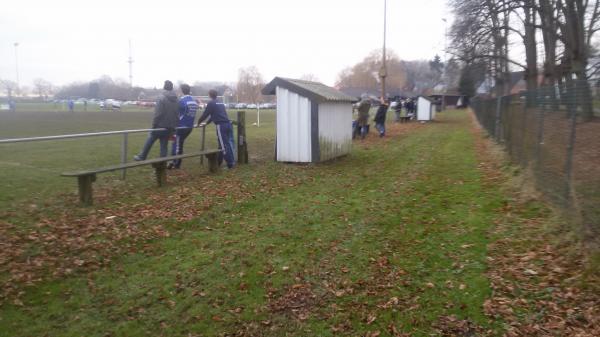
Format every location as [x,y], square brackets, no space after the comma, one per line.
[312,90]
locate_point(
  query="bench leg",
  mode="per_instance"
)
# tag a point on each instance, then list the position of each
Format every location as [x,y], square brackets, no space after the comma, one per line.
[160,171]
[85,189]
[213,166]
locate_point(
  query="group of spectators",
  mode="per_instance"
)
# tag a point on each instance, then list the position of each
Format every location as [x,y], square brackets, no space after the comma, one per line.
[404,110]
[175,116]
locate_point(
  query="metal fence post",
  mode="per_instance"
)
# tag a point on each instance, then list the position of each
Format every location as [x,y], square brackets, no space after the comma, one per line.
[497,123]
[124,154]
[540,133]
[523,152]
[570,147]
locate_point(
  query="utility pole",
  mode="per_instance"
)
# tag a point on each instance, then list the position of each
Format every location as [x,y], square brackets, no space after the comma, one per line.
[383,70]
[130,61]
[16,44]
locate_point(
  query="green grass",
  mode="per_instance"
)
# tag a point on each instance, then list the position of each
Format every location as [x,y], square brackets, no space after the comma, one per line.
[395,233]
[31,171]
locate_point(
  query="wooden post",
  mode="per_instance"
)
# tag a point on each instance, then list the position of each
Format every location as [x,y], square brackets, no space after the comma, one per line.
[213,165]
[85,189]
[160,170]
[203,143]
[124,155]
[242,146]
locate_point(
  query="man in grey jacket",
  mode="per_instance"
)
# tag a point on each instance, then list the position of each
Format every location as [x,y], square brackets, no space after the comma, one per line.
[165,117]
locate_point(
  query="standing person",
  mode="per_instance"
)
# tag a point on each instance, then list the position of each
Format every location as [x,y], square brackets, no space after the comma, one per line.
[85,105]
[187,113]
[71,105]
[215,112]
[363,116]
[380,116]
[165,117]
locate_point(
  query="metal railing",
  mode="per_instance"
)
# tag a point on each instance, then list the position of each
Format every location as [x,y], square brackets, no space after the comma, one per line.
[124,141]
[554,133]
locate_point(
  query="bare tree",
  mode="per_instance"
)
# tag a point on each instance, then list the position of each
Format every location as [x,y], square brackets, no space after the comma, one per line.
[365,73]
[580,21]
[249,85]
[42,87]
[8,86]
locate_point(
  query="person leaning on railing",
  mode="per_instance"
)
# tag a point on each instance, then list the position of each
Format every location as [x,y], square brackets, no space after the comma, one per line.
[165,117]
[187,113]
[215,112]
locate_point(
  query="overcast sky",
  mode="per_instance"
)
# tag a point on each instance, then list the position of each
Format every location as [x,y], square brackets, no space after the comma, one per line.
[64,41]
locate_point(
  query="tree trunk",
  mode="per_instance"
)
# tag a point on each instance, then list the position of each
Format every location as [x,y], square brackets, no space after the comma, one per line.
[529,40]
[576,53]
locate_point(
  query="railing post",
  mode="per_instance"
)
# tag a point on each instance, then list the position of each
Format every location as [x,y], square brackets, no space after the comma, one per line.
[242,146]
[202,143]
[124,154]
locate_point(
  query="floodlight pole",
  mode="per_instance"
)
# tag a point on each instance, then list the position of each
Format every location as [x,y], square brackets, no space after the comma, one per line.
[130,61]
[16,44]
[445,63]
[383,70]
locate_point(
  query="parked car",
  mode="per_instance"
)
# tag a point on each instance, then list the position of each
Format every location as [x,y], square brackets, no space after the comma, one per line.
[251,106]
[146,104]
[240,106]
[111,104]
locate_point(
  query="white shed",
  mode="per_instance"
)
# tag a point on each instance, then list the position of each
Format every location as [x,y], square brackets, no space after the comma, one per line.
[314,121]
[425,109]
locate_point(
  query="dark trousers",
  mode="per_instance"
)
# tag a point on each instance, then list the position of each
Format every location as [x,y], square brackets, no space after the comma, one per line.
[226,144]
[177,147]
[162,136]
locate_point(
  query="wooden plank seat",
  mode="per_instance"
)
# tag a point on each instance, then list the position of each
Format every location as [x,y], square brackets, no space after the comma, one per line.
[85,178]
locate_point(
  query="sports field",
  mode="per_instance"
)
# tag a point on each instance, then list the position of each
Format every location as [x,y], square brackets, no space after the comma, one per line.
[31,171]
[416,234]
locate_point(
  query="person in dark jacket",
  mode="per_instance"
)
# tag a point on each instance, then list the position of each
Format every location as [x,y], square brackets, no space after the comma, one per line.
[165,117]
[215,112]
[380,116]
[362,122]
[187,113]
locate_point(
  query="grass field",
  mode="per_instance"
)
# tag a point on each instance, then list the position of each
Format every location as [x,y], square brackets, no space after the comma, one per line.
[31,171]
[390,240]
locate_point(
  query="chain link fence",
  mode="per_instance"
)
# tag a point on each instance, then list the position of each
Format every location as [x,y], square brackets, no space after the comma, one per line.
[555,133]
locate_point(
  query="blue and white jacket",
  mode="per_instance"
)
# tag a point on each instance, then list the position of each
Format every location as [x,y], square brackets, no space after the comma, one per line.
[187,111]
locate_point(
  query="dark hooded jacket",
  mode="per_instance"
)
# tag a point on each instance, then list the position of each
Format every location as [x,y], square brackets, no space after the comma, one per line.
[381,112]
[165,112]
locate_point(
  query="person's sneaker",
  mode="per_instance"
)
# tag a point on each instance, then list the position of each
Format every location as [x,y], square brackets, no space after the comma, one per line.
[171,166]
[137,158]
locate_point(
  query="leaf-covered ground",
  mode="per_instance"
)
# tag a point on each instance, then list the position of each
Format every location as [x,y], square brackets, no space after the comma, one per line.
[411,235]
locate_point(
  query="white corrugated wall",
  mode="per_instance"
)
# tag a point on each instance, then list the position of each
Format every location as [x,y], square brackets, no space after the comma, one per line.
[423,109]
[335,129]
[293,127]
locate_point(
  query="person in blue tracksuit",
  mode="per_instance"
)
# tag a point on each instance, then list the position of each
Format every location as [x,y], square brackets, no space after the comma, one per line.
[187,113]
[215,112]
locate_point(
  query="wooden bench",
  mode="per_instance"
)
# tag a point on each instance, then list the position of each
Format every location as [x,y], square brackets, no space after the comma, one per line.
[85,178]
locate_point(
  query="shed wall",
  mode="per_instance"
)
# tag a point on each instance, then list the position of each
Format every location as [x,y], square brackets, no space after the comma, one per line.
[293,127]
[424,110]
[335,130]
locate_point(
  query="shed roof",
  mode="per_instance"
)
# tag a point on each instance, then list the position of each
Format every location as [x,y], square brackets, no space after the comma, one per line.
[311,90]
